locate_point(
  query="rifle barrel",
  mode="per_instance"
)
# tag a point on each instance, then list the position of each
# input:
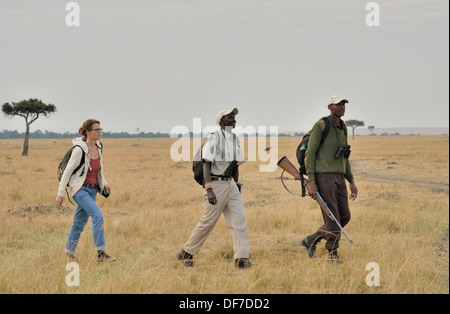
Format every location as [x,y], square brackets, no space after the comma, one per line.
[332,216]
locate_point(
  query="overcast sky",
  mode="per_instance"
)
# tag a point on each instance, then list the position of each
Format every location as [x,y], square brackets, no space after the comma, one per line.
[158,64]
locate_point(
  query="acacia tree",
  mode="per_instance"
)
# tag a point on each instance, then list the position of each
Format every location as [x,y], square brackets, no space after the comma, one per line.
[371,127]
[354,124]
[30,110]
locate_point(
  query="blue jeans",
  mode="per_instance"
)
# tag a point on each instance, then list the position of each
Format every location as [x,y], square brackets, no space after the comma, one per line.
[85,198]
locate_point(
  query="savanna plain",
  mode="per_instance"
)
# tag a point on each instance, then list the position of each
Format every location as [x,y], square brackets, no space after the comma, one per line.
[400,221]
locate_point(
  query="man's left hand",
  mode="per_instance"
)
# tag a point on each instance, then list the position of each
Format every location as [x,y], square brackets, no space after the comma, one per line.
[353,190]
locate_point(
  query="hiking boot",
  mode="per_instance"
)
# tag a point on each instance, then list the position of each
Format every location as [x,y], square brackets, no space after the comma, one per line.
[242,263]
[310,243]
[71,258]
[185,258]
[333,257]
[104,258]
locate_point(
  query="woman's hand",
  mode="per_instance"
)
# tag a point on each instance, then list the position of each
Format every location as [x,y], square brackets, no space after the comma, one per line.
[59,201]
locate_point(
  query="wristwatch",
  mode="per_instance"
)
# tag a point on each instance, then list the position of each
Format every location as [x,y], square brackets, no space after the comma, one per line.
[308,180]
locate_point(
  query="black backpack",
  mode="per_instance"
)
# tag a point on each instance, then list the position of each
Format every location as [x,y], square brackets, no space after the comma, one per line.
[301,151]
[197,167]
[63,164]
[303,146]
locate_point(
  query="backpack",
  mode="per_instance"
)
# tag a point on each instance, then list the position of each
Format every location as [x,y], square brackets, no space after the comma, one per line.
[63,164]
[197,166]
[303,146]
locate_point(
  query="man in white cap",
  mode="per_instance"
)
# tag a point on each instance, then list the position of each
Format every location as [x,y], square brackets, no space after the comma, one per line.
[221,156]
[327,168]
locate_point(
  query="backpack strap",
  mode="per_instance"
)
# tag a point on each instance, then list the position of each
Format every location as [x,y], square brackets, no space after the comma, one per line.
[101,146]
[76,169]
[325,133]
[234,145]
[345,132]
[223,139]
[327,129]
[68,197]
[81,162]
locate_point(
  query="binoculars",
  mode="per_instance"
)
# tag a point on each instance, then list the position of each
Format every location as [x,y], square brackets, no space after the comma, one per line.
[344,151]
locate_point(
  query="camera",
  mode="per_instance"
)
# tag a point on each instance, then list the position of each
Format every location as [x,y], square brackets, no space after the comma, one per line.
[231,169]
[105,193]
[344,151]
[240,186]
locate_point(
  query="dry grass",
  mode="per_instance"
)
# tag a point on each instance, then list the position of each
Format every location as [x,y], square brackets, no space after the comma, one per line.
[155,204]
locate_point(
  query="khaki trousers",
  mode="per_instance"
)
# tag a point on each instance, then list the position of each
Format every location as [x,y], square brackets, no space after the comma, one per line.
[231,204]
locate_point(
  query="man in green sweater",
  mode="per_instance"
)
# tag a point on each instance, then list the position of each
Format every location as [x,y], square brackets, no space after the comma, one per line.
[327,168]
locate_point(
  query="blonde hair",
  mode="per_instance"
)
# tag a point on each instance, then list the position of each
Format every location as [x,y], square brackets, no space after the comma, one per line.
[87,126]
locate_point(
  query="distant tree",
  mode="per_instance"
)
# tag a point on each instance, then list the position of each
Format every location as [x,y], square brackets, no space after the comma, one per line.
[371,127]
[30,110]
[354,124]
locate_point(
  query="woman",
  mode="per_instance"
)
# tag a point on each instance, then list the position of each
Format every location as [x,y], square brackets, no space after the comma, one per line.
[84,185]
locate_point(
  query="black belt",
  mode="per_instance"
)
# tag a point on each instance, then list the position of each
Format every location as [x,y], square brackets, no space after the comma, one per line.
[92,186]
[216,178]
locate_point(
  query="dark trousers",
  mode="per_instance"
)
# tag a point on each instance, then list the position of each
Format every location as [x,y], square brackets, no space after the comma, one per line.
[333,190]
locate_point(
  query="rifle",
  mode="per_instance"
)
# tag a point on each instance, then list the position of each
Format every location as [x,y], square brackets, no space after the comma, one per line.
[287,166]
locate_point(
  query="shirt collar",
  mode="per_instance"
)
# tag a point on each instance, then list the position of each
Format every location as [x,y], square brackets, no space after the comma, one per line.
[227,135]
[333,122]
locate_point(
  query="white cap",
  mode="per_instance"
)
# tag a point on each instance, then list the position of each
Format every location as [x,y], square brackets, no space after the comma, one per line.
[335,100]
[224,113]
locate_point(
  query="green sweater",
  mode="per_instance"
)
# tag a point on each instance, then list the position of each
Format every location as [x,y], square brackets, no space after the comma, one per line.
[326,162]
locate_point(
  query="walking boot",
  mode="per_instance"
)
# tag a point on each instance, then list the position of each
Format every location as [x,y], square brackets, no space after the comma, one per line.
[185,258]
[242,263]
[334,257]
[104,258]
[71,258]
[310,243]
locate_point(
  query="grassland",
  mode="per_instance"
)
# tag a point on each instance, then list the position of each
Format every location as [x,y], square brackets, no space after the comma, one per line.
[400,221]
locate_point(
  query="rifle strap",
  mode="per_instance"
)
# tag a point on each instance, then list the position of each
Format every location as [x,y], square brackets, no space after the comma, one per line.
[282,182]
